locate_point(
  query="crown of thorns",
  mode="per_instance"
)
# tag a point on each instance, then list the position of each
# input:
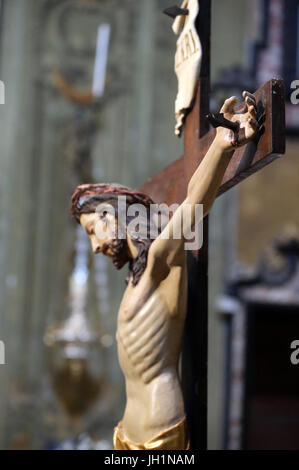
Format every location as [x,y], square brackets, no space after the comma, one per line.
[86,192]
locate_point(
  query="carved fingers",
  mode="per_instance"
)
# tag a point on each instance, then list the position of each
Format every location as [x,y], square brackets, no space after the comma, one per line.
[246,117]
[251,123]
[250,97]
[254,124]
[250,104]
[229,105]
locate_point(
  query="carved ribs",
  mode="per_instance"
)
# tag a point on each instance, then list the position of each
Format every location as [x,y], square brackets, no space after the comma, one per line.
[144,338]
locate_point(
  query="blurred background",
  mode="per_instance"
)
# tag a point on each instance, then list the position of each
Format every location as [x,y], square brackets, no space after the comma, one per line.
[61,386]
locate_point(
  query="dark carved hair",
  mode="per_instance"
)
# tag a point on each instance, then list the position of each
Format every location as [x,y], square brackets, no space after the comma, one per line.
[85,200]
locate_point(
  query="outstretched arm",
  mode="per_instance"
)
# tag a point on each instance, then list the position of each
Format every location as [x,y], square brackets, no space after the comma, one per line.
[204,184]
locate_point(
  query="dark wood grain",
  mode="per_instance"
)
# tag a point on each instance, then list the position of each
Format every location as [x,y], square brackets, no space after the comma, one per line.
[168,185]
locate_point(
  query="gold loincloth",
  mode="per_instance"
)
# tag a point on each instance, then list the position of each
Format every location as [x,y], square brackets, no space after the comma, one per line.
[174,438]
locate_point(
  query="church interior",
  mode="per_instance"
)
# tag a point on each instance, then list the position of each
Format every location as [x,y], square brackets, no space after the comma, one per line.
[61,386]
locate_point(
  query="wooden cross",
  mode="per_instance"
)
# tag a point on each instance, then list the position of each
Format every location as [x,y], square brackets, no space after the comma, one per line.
[170,186]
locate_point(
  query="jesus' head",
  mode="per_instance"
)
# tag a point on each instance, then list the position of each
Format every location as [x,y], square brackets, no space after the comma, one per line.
[101,226]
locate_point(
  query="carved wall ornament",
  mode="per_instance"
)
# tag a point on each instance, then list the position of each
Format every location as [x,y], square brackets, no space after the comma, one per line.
[187,61]
[77,96]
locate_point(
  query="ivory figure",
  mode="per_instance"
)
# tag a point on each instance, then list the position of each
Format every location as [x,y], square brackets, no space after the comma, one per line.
[152,312]
[187,61]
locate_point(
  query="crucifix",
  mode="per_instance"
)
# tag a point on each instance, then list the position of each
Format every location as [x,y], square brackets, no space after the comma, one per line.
[167,287]
[245,161]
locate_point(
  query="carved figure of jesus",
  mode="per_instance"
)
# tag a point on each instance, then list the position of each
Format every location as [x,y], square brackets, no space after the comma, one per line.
[152,312]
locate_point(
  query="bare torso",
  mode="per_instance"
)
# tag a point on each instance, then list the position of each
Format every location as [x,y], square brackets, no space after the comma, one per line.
[149,333]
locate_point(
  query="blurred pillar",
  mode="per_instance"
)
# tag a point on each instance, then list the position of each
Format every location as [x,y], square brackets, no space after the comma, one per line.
[17,142]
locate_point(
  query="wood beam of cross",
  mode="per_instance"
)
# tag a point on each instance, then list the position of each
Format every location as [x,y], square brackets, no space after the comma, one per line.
[170,186]
[246,160]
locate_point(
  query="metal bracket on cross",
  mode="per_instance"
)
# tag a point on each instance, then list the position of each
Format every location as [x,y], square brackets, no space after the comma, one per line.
[218,120]
[175,11]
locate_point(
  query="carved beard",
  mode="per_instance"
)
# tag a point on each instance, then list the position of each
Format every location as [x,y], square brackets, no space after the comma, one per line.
[119,253]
